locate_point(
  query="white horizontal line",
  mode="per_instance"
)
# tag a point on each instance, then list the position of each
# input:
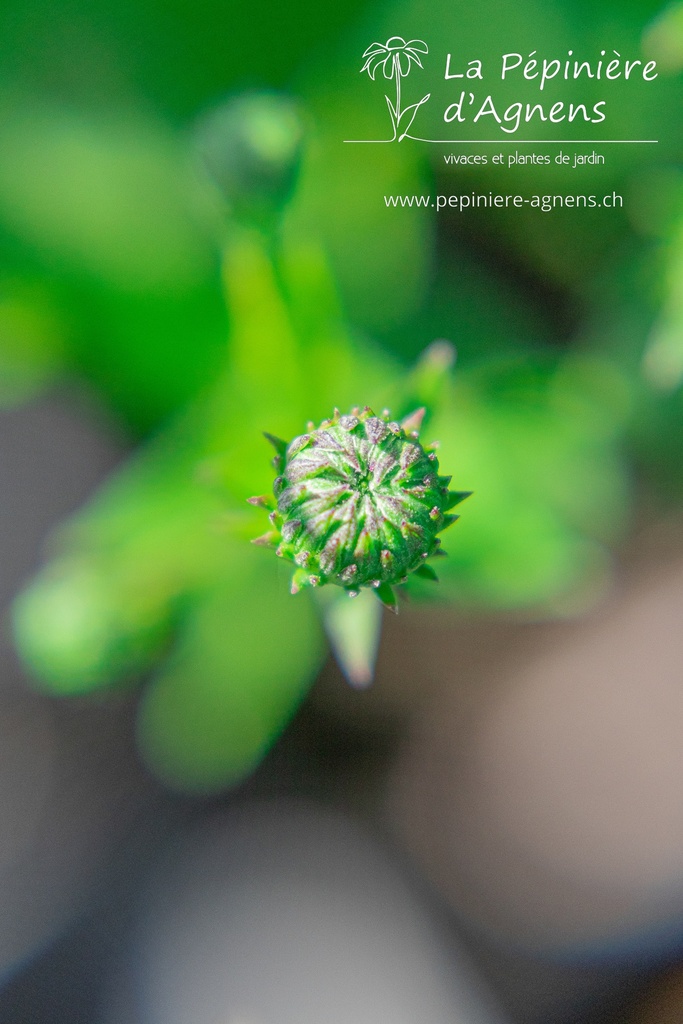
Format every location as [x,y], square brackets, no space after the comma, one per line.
[519,142]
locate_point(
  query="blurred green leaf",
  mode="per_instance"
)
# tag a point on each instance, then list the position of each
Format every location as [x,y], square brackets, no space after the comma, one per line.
[539,447]
[245,656]
[116,201]
[32,340]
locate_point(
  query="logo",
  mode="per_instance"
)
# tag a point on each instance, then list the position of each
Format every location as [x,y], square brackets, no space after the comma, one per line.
[396,58]
[534,111]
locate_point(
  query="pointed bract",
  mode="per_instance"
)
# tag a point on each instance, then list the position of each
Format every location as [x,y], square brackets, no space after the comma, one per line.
[267,540]
[427,573]
[386,595]
[414,420]
[263,501]
[454,498]
[278,444]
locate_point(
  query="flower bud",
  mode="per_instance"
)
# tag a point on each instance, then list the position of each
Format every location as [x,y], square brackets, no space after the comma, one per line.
[358,502]
[251,146]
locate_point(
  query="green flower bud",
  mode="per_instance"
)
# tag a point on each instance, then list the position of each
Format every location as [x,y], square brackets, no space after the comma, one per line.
[358,502]
[251,146]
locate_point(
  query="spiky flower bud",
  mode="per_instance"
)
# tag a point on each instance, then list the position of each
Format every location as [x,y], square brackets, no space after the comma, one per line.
[358,502]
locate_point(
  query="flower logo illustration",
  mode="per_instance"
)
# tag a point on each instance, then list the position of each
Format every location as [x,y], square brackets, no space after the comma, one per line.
[396,58]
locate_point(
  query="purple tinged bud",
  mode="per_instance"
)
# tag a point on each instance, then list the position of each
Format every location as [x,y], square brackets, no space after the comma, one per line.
[410,453]
[328,558]
[290,528]
[354,507]
[297,445]
[375,429]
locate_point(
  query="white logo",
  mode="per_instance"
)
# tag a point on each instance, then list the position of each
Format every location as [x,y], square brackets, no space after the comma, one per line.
[396,57]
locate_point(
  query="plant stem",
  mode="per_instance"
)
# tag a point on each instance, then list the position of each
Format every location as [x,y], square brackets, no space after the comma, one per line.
[397,72]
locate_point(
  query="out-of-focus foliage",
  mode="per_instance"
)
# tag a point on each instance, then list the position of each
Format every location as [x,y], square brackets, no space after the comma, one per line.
[539,445]
[202,318]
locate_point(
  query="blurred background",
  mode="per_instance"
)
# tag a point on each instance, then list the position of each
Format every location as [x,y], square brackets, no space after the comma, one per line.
[201,820]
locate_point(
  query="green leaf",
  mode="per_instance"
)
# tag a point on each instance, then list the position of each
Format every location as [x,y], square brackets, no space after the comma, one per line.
[353,627]
[385,594]
[245,656]
[427,573]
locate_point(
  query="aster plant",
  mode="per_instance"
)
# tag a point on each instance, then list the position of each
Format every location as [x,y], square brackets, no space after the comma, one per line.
[154,579]
[358,502]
